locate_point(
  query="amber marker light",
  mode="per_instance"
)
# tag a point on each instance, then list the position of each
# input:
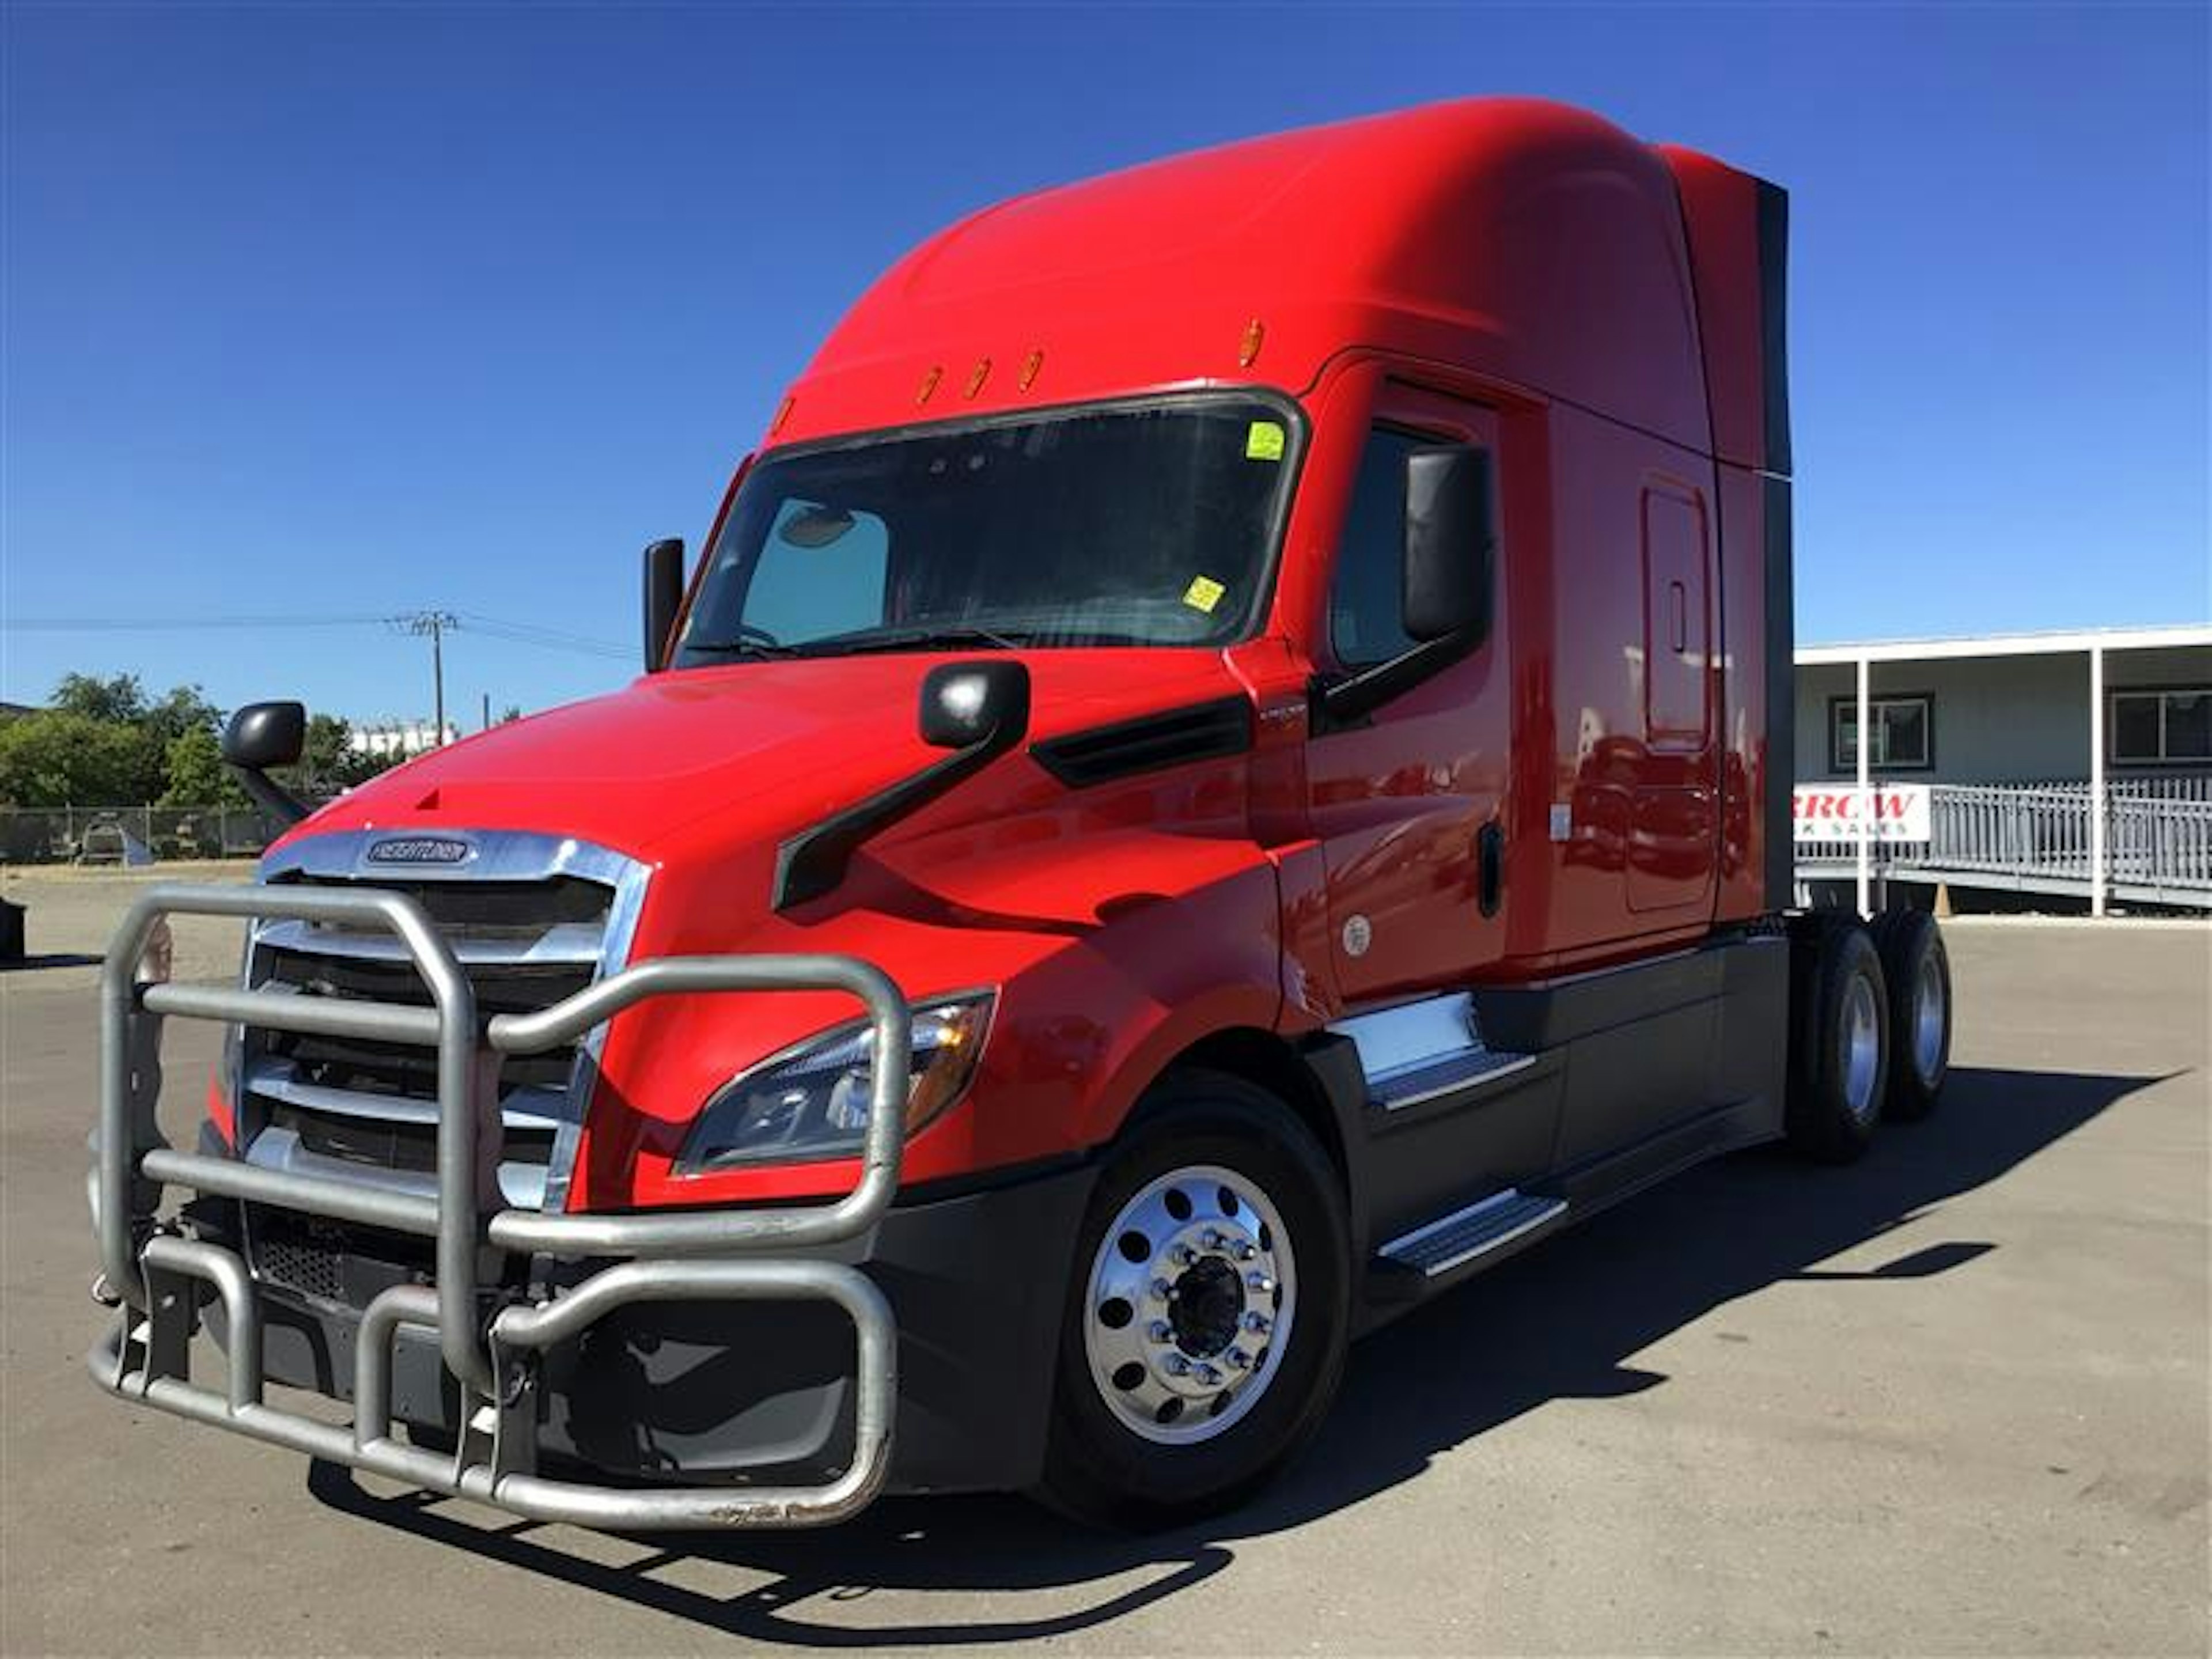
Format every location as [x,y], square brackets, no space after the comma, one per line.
[981,374]
[1031,364]
[929,385]
[1248,350]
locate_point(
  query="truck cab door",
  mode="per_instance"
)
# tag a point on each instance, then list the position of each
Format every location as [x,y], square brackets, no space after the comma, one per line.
[1407,802]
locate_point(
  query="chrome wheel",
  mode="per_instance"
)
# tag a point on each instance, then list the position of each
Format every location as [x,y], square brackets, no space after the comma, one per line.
[1190,1296]
[1930,1018]
[1862,1036]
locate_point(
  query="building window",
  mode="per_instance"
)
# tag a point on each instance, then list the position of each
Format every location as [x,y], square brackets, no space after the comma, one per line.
[2162,727]
[1904,734]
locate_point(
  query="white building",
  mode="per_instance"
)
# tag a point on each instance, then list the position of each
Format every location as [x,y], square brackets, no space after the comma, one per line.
[401,739]
[2015,736]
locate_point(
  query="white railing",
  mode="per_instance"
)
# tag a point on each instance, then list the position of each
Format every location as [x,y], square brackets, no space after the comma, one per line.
[2158,836]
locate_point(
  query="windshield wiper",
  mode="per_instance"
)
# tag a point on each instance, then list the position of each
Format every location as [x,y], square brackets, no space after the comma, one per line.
[739,648]
[912,639]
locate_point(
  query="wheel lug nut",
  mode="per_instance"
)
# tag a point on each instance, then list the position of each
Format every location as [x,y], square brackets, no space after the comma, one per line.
[1176,1366]
[1159,1330]
[1256,1281]
[1213,1239]
[1183,1255]
[1163,1290]
[1246,1250]
[1207,1375]
[1258,1324]
[1238,1358]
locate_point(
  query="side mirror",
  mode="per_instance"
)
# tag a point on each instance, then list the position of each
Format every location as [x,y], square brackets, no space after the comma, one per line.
[1447,568]
[964,703]
[262,735]
[1448,552]
[664,597]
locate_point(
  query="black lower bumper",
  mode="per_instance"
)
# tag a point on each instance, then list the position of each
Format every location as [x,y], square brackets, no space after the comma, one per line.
[760,1392]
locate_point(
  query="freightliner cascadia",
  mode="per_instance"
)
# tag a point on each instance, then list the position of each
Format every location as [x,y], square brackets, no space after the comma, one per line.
[1224,766]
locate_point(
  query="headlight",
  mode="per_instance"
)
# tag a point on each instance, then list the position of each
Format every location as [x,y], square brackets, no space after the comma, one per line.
[811,1102]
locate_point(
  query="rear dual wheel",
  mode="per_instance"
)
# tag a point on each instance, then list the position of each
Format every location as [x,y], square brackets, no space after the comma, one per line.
[1917,970]
[1208,1313]
[1839,1043]
[1871,1032]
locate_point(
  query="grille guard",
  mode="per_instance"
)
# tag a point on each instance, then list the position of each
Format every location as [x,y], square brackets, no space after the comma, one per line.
[689,1256]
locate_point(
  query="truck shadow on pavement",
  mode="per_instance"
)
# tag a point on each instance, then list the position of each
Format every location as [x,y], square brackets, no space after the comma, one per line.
[1555,1323]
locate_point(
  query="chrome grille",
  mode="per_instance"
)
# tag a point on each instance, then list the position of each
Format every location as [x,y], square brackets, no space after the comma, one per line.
[532,919]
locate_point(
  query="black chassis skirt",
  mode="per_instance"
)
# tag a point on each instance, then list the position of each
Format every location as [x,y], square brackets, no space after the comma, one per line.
[759,1392]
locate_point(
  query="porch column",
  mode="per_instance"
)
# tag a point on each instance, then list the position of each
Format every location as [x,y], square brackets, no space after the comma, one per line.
[2096,780]
[1866,797]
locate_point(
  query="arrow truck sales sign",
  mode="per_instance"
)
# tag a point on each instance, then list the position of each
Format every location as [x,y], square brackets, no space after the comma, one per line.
[1825,811]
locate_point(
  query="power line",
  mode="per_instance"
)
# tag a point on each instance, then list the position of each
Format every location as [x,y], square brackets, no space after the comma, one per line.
[514,633]
[170,624]
[551,638]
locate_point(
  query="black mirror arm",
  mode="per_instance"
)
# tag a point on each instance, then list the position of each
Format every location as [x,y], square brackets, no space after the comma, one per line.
[1348,701]
[812,862]
[284,808]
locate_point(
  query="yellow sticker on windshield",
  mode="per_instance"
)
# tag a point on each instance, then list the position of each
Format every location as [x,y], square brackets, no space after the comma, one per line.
[1203,593]
[1263,441]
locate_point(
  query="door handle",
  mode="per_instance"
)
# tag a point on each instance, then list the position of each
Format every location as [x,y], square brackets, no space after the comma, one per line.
[1490,867]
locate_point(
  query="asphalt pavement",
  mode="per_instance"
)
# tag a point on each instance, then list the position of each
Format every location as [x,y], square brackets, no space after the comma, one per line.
[1953,1398]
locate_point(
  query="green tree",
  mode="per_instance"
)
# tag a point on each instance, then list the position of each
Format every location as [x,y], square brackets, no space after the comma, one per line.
[58,758]
[196,774]
[117,698]
[327,761]
[186,708]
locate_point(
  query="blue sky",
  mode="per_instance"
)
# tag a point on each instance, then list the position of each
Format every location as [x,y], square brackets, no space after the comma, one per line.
[342,311]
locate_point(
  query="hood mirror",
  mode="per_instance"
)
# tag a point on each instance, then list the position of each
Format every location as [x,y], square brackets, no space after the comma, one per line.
[964,703]
[979,710]
[262,735]
[265,734]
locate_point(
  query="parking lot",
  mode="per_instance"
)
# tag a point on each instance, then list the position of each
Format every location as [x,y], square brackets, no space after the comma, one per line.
[1951,1400]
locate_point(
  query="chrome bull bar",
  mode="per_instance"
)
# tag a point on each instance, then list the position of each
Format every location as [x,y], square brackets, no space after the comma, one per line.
[696,1255]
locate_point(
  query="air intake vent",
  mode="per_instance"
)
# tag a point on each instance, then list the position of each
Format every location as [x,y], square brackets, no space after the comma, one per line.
[1206,731]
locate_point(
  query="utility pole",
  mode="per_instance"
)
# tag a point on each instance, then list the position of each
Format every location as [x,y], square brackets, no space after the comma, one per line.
[436,625]
[485,723]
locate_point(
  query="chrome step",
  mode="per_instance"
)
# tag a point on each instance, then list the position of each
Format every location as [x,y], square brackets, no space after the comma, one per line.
[1447,1076]
[1482,1227]
[1424,1049]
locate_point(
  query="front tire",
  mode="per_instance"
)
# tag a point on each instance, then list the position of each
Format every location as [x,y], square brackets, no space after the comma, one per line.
[1208,1309]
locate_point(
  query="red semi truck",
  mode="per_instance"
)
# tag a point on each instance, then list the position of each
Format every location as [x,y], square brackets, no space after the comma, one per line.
[1226,766]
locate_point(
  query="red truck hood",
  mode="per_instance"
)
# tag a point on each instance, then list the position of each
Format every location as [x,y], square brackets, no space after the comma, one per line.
[758,748]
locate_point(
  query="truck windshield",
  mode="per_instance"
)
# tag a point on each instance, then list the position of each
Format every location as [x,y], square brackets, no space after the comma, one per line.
[1130,525]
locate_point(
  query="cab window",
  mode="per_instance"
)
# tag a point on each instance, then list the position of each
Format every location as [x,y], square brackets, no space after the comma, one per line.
[1365,607]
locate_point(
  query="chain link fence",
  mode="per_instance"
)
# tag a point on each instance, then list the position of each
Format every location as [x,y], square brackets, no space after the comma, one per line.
[129,835]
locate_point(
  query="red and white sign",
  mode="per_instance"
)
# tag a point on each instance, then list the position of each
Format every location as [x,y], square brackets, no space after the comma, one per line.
[1836,811]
